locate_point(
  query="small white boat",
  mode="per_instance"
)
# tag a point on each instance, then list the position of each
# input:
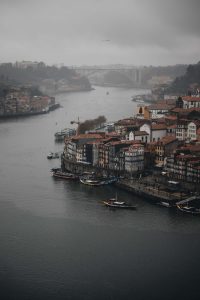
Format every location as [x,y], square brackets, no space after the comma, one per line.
[165,204]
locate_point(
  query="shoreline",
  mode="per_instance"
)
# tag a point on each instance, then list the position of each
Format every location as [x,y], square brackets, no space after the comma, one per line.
[30,113]
[147,190]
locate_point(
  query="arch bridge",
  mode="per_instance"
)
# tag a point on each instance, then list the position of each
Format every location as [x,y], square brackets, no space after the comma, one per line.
[132,73]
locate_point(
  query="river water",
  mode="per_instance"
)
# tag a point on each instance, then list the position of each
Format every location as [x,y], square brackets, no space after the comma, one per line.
[57,239]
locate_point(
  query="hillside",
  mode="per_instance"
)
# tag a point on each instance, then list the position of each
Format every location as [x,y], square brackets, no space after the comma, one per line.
[49,79]
[161,74]
[189,81]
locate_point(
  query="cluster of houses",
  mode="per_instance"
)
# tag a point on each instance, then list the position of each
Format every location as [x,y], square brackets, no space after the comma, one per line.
[165,135]
[18,102]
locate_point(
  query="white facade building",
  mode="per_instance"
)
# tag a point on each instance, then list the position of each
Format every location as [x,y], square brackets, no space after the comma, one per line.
[134,158]
[192,131]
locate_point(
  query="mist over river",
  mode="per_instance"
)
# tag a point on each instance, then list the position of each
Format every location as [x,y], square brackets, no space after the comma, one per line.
[57,240]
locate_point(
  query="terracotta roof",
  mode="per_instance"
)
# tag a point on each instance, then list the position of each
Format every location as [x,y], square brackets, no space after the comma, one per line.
[167,140]
[158,126]
[87,136]
[159,120]
[170,117]
[158,106]
[191,98]
[139,133]
[167,101]
[123,122]
[113,133]
[185,110]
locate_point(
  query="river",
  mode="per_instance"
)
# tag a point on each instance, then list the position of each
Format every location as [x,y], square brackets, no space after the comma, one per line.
[57,239]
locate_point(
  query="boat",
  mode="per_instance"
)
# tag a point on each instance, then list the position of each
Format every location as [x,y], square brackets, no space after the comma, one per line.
[143,98]
[58,173]
[165,204]
[97,181]
[137,98]
[67,132]
[92,181]
[52,155]
[189,209]
[114,203]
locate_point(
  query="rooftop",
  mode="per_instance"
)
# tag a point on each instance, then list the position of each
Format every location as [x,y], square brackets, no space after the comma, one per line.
[167,140]
[158,126]
[159,106]
[191,98]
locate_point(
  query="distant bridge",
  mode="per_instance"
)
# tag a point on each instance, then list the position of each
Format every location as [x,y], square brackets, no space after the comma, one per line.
[132,73]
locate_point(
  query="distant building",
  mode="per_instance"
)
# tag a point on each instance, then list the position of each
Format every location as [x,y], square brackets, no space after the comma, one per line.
[29,64]
[159,110]
[191,101]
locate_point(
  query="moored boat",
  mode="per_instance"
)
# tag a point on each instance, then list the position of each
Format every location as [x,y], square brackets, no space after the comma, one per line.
[97,181]
[58,173]
[113,203]
[67,132]
[92,182]
[189,209]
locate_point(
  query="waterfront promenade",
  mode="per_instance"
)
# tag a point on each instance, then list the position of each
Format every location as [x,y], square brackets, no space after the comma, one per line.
[153,187]
[152,191]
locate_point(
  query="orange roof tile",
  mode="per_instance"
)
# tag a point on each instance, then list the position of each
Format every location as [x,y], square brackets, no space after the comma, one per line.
[191,98]
[158,106]
[158,127]
[139,133]
[87,136]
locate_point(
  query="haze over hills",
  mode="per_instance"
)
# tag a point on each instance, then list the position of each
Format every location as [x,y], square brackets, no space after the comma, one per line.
[131,76]
[188,82]
[54,79]
[49,79]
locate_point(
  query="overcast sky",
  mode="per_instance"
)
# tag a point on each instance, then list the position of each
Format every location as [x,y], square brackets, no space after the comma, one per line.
[78,32]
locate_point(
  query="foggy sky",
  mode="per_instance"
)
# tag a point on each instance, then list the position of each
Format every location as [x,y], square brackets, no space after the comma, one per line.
[78,32]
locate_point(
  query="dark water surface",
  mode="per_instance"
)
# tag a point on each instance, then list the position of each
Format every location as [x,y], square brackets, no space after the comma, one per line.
[59,242]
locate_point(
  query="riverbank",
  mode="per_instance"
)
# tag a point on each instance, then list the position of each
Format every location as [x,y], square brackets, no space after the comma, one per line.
[30,113]
[149,187]
[155,193]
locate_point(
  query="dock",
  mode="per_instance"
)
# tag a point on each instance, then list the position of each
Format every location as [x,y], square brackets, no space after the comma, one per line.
[152,193]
